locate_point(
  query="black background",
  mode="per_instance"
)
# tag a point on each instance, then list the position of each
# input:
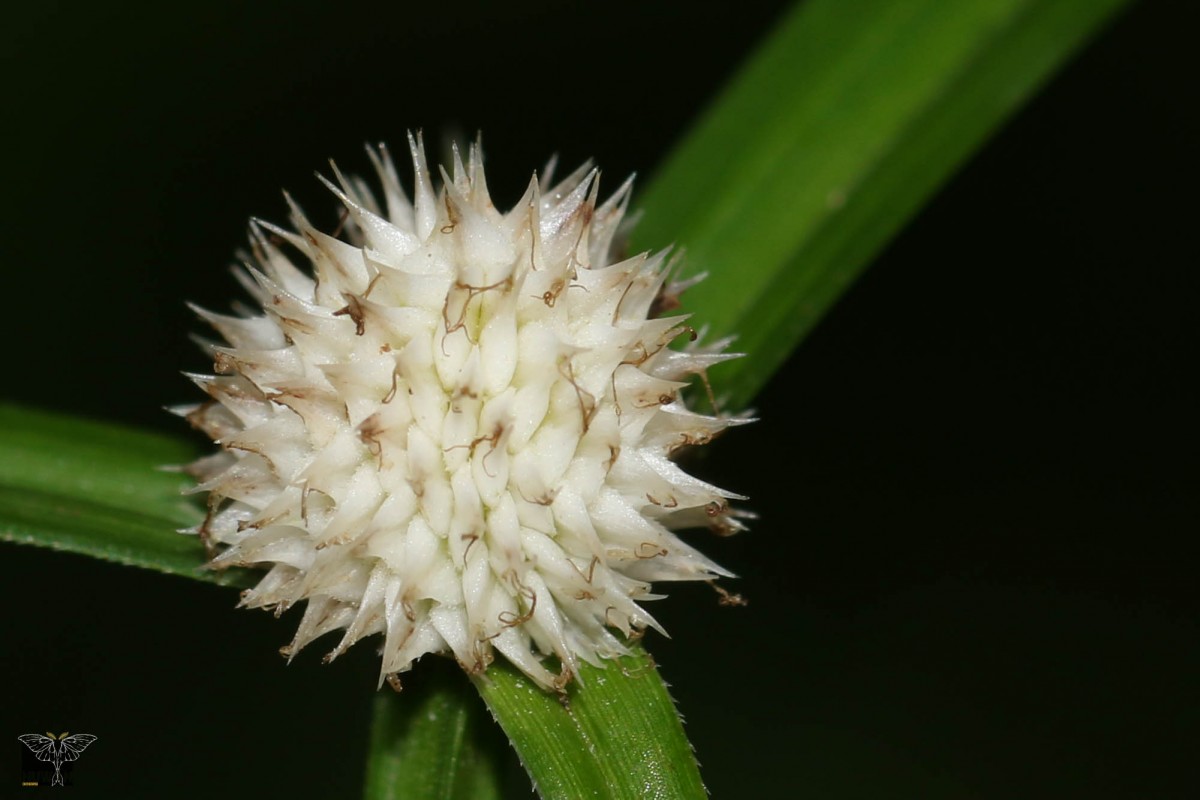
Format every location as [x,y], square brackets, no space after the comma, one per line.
[975,479]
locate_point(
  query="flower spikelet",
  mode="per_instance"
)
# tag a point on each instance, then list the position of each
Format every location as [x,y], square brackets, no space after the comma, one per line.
[455,428]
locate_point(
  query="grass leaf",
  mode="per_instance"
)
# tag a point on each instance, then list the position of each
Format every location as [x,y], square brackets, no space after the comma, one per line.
[617,736]
[834,134]
[99,490]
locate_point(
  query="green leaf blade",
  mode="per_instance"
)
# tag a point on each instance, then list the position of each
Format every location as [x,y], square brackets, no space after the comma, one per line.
[843,124]
[105,463]
[618,735]
[99,490]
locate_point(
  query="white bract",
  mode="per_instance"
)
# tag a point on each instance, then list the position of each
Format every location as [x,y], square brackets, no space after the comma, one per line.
[457,431]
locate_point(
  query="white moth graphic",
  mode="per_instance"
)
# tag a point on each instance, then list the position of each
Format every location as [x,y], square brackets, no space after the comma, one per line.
[66,748]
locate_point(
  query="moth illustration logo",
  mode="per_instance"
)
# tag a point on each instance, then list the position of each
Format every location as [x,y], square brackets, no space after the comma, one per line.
[56,750]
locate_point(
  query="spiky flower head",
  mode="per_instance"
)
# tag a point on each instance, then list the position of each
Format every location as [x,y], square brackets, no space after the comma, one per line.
[457,430]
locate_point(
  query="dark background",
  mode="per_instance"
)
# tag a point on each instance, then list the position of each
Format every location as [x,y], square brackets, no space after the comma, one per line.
[969,578]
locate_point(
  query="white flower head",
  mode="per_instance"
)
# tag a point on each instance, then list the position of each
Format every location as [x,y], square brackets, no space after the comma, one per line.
[457,430]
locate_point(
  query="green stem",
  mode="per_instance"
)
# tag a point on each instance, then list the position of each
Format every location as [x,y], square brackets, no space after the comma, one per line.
[425,742]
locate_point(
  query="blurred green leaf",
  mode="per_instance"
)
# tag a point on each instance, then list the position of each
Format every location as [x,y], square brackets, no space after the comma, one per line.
[424,744]
[839,128]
